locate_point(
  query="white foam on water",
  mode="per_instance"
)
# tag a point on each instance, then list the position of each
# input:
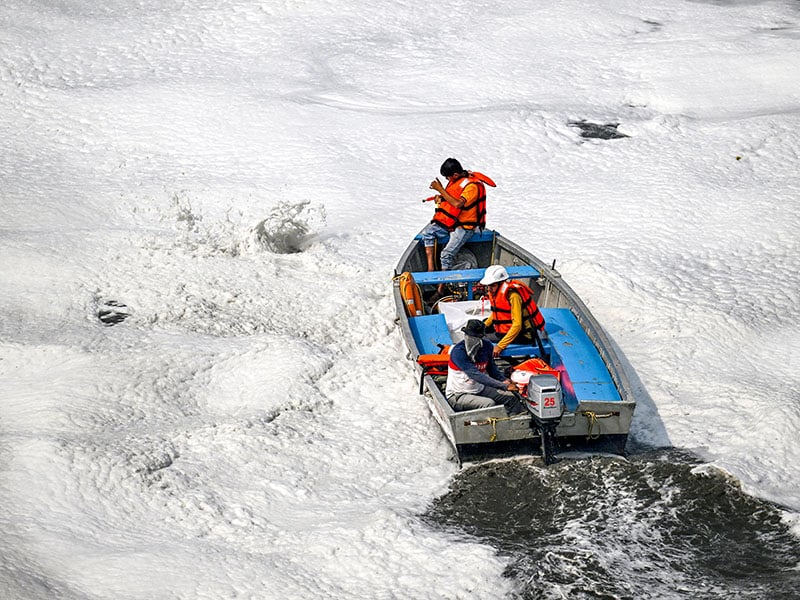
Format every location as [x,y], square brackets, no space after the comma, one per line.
[242,177]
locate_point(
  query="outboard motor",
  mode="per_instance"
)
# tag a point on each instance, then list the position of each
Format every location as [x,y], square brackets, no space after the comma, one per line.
[543,401]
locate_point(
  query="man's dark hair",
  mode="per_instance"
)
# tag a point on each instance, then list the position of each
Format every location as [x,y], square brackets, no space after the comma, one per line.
[450,167]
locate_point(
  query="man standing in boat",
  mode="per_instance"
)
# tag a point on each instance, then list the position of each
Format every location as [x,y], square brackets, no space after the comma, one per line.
[515,316]
[473,379]
[460,212]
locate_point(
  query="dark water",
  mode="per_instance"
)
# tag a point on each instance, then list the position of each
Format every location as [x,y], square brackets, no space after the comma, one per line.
[657,525]
[600,131]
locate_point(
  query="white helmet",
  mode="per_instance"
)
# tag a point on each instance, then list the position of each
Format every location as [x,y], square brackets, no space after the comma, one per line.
[494,274]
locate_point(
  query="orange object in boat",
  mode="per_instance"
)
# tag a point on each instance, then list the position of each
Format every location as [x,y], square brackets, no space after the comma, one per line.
[538,367]
[435,364]
[412,297]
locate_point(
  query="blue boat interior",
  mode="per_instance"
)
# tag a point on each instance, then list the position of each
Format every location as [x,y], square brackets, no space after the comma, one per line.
[468,276]
[584,376]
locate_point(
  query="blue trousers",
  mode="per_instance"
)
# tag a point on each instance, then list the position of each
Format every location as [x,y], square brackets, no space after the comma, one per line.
[453,242]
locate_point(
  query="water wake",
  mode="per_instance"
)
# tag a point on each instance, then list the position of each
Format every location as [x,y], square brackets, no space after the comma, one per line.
[658,525]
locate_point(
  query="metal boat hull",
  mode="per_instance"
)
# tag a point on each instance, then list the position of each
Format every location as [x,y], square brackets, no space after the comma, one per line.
[601,403]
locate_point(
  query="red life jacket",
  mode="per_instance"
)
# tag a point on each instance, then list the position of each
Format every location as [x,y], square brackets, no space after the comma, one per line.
[501,308]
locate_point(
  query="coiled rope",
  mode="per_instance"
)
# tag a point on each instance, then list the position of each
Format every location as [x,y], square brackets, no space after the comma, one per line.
[593,420]
[493,421]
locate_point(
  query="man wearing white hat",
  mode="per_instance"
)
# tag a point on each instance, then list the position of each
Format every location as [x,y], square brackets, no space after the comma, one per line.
[473,379]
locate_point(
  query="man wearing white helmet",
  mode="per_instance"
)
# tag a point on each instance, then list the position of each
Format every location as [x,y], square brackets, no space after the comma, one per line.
[515,316]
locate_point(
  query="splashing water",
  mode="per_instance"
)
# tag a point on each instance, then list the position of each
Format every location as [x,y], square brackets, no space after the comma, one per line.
[289,227]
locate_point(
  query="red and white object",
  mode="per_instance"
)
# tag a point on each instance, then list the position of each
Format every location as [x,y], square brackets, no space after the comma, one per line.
[543,398]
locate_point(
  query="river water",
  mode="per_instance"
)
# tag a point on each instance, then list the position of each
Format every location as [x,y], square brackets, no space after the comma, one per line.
[657,524]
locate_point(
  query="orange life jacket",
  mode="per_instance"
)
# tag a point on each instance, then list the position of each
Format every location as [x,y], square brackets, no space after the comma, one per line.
[435,364]
[470,215]
[501,308]
[446,214]
[538,367]
[474,214]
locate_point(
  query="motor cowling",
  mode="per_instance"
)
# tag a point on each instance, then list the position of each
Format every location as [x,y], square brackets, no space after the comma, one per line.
[544,403]
[543,399]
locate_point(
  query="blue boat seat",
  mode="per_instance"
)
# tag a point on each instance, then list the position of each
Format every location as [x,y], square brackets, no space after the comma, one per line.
[528,351]
[587,376]
[469,275]
[429,331]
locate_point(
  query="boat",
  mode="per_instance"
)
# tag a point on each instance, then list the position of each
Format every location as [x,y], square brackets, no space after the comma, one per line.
[574,368]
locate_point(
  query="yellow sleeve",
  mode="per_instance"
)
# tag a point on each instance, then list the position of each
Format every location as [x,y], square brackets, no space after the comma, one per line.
[515,301]
[470,193]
